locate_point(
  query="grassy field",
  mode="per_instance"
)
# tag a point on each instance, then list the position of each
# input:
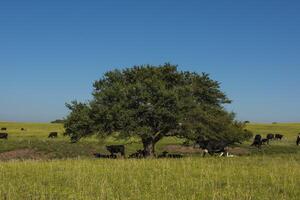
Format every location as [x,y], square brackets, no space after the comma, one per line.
[35,167]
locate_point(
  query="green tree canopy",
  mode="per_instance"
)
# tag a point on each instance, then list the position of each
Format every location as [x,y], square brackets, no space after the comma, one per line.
[153,102]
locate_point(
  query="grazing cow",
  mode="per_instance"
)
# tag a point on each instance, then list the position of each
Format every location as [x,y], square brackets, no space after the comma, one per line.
[3,129]
[116,149]
[265,141]
[213,146]
[22,129]
[52,135]
[99,155]
[257,141]
[166,154]
[298,140]
[138,154]
[163,154]
[174,155]
[278,136]
[270,136]
[3,136]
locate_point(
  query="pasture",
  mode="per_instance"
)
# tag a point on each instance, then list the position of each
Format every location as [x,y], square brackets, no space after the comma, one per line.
[34,166]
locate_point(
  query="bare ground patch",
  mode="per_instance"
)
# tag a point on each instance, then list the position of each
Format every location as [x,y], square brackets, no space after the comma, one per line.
[239,151]
[182,149]
[22,154]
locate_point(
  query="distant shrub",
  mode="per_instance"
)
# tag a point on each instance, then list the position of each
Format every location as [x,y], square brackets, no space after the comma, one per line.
[58,121]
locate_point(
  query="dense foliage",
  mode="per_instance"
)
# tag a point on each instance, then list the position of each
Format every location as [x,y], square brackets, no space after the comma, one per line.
[155,102]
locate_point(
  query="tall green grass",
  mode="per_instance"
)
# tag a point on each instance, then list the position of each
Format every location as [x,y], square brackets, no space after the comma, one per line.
[268,173]
[289,130]
[258,177]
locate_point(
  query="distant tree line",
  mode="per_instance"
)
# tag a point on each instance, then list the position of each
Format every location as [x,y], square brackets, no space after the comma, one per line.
[58,121]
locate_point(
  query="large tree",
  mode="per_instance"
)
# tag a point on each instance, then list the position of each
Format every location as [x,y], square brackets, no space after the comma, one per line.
[153,102]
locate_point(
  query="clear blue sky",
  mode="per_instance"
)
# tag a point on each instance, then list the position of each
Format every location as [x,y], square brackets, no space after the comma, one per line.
[52,51]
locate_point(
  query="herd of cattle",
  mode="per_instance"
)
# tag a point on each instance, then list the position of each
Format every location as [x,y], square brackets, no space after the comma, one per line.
[4,135]
[258,140]
[114,150]
[207,145]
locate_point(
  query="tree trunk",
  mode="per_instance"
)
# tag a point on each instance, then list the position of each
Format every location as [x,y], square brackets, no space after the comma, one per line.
[149,145]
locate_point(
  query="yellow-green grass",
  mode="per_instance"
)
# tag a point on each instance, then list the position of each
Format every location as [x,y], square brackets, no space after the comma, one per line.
[35,137]
[269,173]
[257,177]
[32,130]
[289,130]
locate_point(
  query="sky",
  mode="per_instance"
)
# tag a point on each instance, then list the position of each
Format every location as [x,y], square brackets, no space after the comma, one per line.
[51,52]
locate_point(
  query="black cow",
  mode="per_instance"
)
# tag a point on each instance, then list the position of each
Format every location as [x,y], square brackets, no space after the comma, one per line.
[213,146]
[163,154]
[22,129]
[3,129]
[270,136]
[265,141]
[298,140]
[257,141]
[174,155]
[3,136]
[138,154]
[99,155]
[52,135]
[114,149]
[166,154]
[278,136]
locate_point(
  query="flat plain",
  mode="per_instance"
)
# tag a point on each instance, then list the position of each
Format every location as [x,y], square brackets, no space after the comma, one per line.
[35,167]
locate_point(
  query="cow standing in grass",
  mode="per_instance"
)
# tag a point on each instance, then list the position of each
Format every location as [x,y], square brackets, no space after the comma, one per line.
[278,136]
[3,136]
[265,141]
[257,141]
[52,135]
[115,149]
[166,154]
[138,154]
[99,155]
[298,140]
[213,146]
[270,136]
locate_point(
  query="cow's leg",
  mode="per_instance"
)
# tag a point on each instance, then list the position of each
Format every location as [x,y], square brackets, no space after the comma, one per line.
[205,151]
[221,154]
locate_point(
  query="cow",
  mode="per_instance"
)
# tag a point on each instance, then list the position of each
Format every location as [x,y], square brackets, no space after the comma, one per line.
[265,141]
[22,129]
[52,135]
[163,154]
[99,155]
[174,155]
[114,149]
[166,154]
[298,140]
[3,136]
[278,136]
[270,136]
[3,129]
[257,141]
[138,154]
[213,146]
